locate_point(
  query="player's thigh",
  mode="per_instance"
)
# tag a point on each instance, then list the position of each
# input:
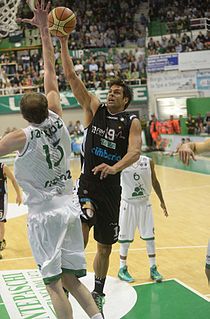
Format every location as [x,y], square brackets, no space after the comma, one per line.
[127,221]
[146,221]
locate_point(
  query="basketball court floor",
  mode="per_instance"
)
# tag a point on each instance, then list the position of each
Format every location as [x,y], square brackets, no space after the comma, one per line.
[181,242]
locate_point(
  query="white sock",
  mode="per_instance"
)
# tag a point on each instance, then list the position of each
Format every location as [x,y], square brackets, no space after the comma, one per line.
[97,316]
[122,263]
[124,253]
[151,251]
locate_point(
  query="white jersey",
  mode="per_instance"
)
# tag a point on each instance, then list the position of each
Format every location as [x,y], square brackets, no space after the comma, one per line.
[136,181]
[42,169]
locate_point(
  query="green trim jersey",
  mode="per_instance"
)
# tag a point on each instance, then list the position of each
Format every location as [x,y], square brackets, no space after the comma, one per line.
[136,181]
[42,169]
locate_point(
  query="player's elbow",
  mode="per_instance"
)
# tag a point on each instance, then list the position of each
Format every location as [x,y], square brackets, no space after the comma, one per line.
[136,154]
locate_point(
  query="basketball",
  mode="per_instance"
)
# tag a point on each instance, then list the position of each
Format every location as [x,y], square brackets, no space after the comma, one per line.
[61,21]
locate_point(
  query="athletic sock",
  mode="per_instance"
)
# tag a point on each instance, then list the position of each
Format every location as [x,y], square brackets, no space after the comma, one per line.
[97,316]
[122,263]
[99,285]
[124,253]
[152,261]
[150,244]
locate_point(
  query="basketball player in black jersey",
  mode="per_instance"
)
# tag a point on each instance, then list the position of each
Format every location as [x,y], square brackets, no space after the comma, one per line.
[112,142]
[4,174]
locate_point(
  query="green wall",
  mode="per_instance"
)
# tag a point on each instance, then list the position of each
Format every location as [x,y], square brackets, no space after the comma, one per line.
[198,105]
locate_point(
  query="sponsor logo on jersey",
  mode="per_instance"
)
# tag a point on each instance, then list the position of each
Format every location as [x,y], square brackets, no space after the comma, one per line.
[98,131]
[112,117]
[108,144]
[100,152]
[60,178]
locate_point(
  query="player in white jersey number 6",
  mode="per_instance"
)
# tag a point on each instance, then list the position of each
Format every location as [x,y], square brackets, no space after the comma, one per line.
[42,169]
[137,181]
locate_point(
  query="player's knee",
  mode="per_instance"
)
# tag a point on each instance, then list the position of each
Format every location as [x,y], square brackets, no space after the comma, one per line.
[104,250]
[88,213]
[207,271]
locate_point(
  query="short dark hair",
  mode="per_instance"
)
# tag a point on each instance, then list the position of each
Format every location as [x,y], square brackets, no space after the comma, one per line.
[34,107]
[127,91]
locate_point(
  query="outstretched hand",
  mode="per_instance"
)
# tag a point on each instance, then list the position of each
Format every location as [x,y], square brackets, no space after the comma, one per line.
[40,18]
[186,153]
[104,169]
[163,206]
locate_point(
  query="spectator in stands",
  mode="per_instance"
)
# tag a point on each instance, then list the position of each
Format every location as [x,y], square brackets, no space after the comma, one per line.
[78,128]
[154,129]
[171,126]
[199,124]
[70,127]
[191,125]
[35,57]
[201,37]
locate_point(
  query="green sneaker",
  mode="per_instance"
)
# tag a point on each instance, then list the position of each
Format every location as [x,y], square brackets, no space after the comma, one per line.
[2,244]
[155,275]
[123,274]
[99,300]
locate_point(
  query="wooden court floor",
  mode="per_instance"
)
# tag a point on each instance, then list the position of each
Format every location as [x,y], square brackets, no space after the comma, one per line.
[181,239]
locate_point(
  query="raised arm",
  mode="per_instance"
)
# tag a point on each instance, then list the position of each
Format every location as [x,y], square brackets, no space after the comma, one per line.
[40,20]
[88,101]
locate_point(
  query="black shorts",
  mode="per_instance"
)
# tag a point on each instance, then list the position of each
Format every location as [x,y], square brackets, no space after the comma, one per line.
[106,200]
[3,208]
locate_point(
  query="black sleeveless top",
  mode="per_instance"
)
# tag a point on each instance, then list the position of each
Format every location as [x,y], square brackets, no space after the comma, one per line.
[105,141]
[2,181]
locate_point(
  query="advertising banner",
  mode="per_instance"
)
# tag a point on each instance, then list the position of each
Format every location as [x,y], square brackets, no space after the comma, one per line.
[195,60]
[162,62]
[10,103]
[171,81]
[203,81]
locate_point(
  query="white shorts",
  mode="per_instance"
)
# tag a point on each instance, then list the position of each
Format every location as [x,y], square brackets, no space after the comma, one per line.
[135,215]
[208,255]
[55,235]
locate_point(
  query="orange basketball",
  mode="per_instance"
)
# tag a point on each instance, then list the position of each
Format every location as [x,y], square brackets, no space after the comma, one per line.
[61,21]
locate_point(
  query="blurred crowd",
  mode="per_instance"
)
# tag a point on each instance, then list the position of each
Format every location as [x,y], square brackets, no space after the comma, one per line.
[25,68]
[98,26]
[179,13]
[192,125]
[183,43]
[101,23]
[180,16]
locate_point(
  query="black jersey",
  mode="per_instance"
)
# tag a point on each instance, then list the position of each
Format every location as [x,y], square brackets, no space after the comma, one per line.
[3,181]
[106,141]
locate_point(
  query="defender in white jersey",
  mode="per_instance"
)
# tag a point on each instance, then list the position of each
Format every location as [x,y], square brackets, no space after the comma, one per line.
[137,181]
[42,169]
